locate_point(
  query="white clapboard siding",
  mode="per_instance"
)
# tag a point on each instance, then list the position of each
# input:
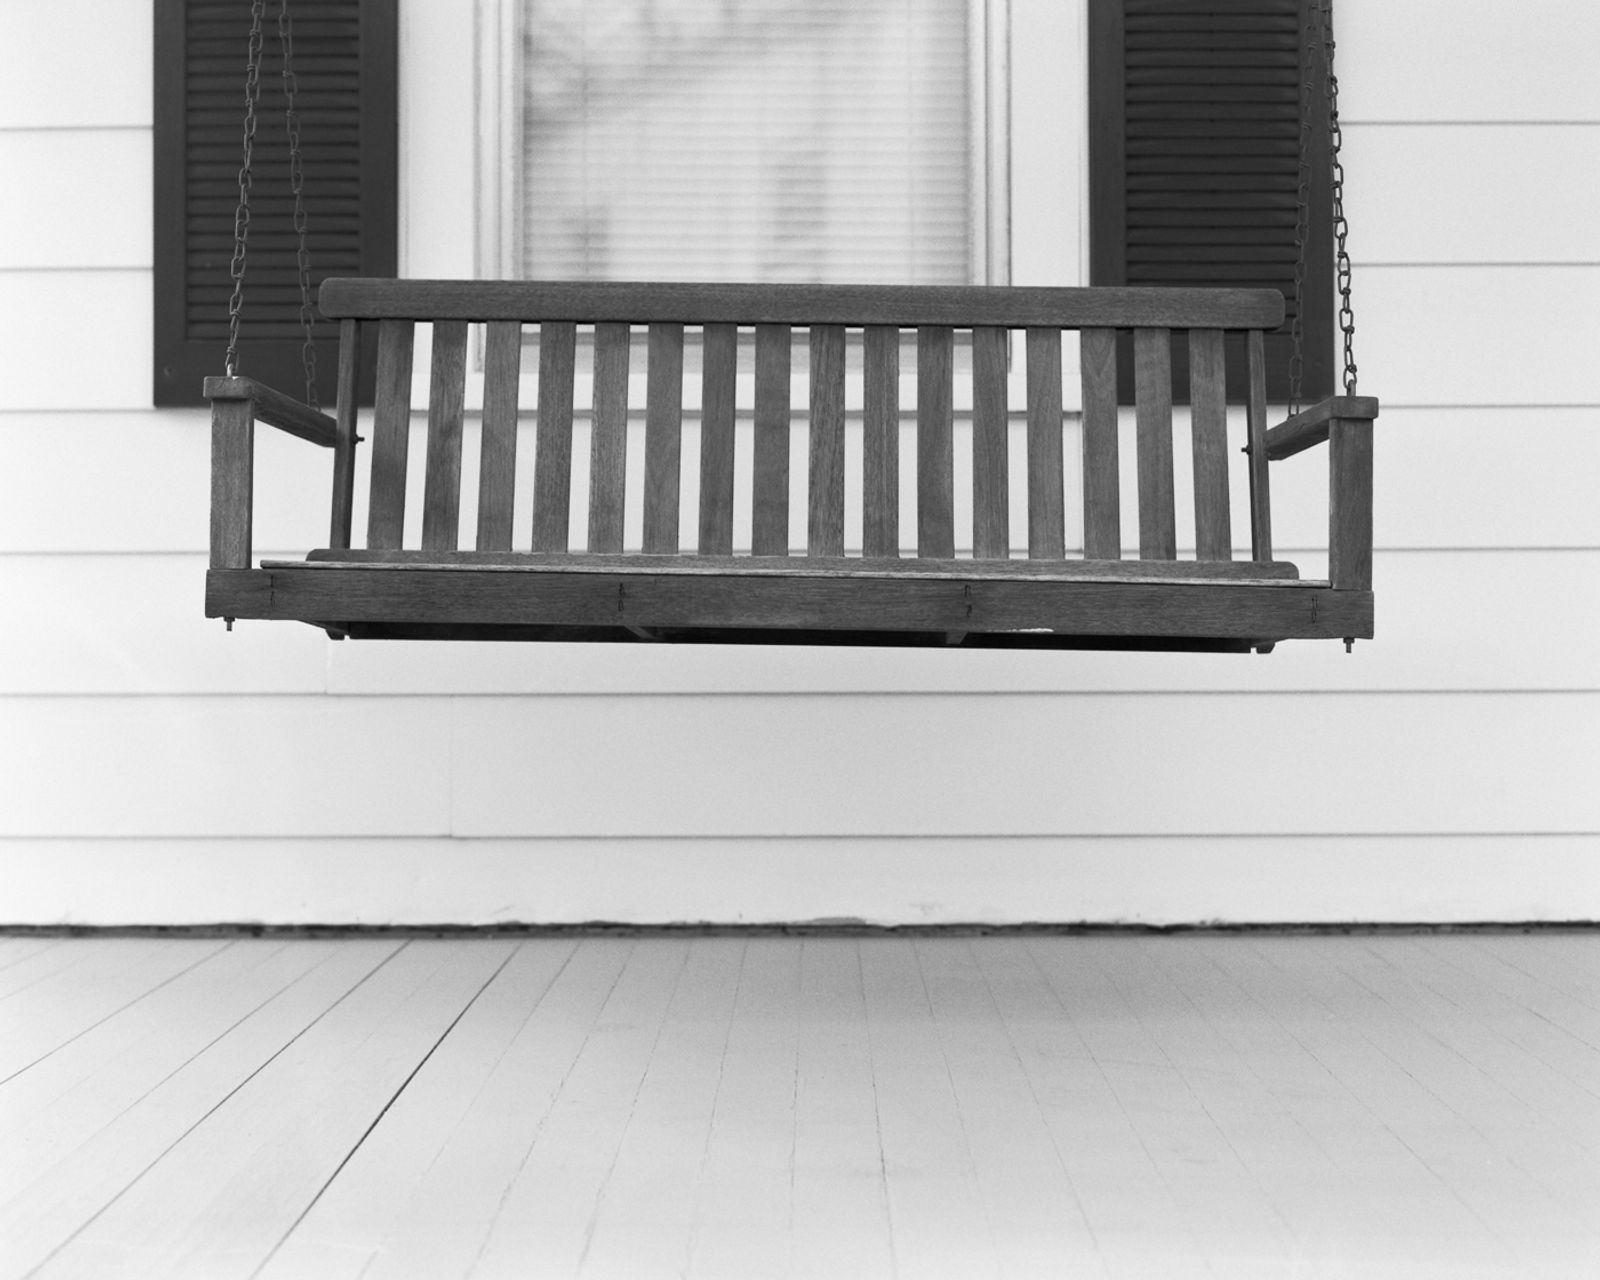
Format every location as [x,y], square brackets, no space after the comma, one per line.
[923,879]
[1482,335]
[135,624]
[139,481]
[75,339]
[1535,496]
[934,765]
[107,624]
[60,190]
[1459,192]
[225,766]
[75,63]
[1480,60]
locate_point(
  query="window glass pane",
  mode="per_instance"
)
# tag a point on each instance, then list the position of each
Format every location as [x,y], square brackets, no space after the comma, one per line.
[767,140]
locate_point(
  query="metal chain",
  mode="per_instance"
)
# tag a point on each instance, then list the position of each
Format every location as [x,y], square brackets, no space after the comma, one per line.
[241,216]
[1302,224]
[1341,228]
[308,349]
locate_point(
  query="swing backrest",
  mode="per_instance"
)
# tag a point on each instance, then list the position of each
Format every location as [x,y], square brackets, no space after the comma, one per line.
[848,329]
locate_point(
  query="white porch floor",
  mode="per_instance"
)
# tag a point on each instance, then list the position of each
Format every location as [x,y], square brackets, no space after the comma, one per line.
[1023,1106]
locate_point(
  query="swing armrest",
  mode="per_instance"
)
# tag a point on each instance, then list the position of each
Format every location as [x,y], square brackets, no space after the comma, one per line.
[276,409]
[237,404]
[1310,428]
[1345,422]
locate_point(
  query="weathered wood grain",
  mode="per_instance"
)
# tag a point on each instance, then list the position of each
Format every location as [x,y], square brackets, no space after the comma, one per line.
[644,601]
[1310,427]
[276,409]
[817,566]
[1208,427]
[441,498]
[497,455]
[391,435]
[825,477]
[552,459]
[991,478]
[880,466]
[663,436]
[1350,503]
[1102,488]
[1256,418]
[935,441]
[1152,378]
[718,378]
[233,435]
[344,448]
[904,306]
[608,446]
[1046,510]
[769,533]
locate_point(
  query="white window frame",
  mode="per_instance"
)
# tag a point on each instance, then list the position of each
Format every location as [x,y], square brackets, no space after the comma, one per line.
[1033,222]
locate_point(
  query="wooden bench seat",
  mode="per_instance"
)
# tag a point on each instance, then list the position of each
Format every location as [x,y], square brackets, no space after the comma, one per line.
[820,592]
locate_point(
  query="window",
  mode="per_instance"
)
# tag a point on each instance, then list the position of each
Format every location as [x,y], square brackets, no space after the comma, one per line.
[837,141]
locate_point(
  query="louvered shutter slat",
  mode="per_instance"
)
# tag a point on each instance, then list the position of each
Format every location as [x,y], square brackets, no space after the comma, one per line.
[345,71]
[1195,162]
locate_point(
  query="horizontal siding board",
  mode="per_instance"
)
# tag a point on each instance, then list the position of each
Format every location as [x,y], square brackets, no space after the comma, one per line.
[52,203]
[1418,763]
[1420,62]
[1147,880]
[1474,181]
[47,360]
[104,84]
[223,766]
[1495,335]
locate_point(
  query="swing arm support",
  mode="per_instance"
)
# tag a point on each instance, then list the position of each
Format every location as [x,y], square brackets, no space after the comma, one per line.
[237,404]
[1345,422]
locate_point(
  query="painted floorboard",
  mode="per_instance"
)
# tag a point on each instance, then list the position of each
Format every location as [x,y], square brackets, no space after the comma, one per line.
[1011,1106]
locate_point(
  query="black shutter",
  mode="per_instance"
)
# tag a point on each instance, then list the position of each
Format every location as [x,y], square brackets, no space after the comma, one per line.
[345,57]
[1195,143]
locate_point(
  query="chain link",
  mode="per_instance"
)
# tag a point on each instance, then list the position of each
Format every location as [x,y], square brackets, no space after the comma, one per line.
[241,216]
[1302,225]
[1341,227]
[308,349]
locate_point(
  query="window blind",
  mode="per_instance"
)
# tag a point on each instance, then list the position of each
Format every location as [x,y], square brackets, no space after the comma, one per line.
[700,140]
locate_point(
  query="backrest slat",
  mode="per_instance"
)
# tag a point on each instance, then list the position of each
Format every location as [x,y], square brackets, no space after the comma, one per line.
[1152,383]
[1046,503]
[935,443]
[608,443]
[991,480]
[880,464]
[663,437]
[497,454]
[769,535]
[552,458]
[825,508]
[1256,414]
[1102,484]
[344,453]
[718,375]
[1208,415]
[391,435]
[441,499]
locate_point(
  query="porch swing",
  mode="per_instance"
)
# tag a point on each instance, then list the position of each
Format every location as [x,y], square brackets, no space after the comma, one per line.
[660,591]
